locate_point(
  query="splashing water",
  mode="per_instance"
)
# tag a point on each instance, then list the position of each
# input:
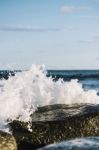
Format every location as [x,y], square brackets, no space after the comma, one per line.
[22,94]
[88,143]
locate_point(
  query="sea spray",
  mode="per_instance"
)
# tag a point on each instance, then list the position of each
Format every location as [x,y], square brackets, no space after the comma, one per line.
[22,94]
[88,143]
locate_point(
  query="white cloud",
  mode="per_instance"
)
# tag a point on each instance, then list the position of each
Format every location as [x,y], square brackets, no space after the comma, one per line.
[72,9]
[93,40]
[13,28]
[90,17]
[27,29]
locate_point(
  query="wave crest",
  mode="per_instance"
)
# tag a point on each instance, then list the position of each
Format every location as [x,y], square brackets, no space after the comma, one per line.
[21,94]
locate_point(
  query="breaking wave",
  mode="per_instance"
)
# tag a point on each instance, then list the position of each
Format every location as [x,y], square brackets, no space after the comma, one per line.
[21,94]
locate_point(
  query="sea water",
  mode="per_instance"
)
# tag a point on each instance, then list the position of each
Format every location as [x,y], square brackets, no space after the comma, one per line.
[89,143]
[24,91]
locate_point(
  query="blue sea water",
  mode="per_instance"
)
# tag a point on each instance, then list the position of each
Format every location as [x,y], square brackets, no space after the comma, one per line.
[88,143]
[88,78]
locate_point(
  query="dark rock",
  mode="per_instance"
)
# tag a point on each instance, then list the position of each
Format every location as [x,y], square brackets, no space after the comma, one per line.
[56,123]
[7,141]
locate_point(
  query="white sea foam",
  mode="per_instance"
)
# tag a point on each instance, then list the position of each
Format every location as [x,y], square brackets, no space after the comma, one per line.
[89,143]
[20,95]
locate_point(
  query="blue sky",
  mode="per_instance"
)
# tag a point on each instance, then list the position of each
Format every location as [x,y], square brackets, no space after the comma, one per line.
[62,34]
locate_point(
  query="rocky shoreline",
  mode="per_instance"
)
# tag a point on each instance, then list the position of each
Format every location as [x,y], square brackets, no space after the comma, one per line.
[53,123]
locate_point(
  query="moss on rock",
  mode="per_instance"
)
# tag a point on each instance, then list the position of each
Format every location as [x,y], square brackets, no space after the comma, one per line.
[7,141]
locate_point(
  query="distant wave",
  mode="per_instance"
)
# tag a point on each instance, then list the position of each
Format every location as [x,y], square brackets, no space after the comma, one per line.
[5,74]
[68,75]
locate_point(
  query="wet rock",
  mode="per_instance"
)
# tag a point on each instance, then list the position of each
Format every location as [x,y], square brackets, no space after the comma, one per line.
[7,141]
[56,123]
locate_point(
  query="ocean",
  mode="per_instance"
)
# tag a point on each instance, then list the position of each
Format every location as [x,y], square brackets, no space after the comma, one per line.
[21,92]
[88,78]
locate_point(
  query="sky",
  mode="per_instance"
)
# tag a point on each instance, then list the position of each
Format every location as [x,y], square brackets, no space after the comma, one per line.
[61,34]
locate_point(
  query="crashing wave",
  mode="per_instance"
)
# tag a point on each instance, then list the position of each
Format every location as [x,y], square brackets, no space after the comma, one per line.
[21,94]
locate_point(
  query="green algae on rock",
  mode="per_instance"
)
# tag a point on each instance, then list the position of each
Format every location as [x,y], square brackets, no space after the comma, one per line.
[7,141]
[55,123]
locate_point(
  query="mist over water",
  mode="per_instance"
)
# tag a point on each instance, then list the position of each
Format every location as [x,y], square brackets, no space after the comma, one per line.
[21,94]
